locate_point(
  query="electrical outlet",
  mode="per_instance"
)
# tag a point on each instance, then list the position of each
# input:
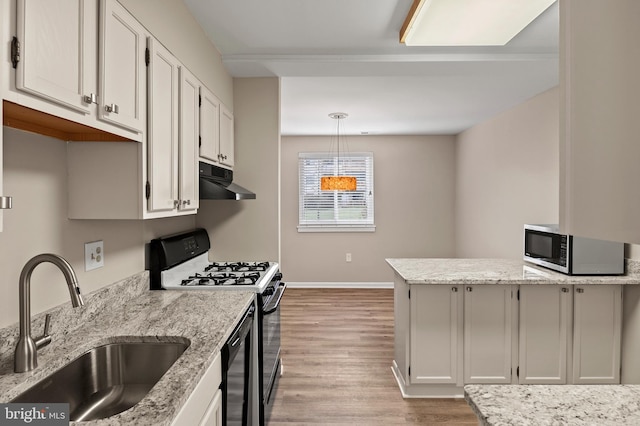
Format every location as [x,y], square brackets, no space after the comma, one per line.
[93,255]
[348,257]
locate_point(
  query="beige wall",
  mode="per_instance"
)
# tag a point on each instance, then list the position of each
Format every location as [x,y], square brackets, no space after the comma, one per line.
[35,175]
[507,175]
[414,178]
[249,229]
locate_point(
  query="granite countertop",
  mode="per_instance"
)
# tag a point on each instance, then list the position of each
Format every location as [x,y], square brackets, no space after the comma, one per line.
[602,405]
[492,271]
[127,311]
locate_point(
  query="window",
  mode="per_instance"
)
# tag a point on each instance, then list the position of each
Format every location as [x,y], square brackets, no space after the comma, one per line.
[335,211]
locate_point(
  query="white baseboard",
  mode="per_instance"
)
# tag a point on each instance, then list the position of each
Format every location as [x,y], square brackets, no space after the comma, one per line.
[339,284]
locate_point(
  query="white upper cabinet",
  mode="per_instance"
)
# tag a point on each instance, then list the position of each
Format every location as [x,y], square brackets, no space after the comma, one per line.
[226,137]
[209,125]
[172,139]
[162,136]
[216,130]
[600,89]
[58,51]
[122,67]
[74,60]
[189,124]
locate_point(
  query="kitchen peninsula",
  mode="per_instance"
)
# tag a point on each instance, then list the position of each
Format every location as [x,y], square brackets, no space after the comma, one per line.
[498,321]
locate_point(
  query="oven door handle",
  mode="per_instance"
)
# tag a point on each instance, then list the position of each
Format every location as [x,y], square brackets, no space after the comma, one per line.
[278,296]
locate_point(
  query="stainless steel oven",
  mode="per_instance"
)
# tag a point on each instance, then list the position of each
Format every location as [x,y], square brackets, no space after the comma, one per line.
[269,344]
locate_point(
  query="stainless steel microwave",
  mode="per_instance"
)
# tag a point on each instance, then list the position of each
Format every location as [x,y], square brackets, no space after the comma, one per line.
[544,245]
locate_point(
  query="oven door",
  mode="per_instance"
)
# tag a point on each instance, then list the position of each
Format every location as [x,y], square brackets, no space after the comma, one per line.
[270,350]
[236,367]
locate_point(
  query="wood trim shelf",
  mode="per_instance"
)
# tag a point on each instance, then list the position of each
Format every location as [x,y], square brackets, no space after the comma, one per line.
[30,120]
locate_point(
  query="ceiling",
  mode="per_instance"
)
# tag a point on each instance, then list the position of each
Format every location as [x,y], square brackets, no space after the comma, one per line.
[344,56]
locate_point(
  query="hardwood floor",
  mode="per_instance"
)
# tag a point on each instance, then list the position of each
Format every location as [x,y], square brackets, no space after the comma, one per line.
[337,348]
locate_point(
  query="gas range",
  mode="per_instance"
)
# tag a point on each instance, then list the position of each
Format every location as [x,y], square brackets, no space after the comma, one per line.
[181,262]
[200,274]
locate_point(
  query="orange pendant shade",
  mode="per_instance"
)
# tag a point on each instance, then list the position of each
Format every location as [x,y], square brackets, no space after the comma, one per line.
[338,183]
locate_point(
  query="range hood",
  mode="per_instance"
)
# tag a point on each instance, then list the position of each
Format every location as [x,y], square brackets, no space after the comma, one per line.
[216,183]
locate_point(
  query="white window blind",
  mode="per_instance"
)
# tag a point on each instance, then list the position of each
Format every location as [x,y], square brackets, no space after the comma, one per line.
[335,210]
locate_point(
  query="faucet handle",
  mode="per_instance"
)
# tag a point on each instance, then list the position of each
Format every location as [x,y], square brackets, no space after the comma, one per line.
[46,337]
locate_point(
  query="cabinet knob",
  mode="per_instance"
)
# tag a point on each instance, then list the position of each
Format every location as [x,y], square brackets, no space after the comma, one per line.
[186,202]
[469,289]
[454,289]
[579,290]
[112,108]
[565,290]
[176,203]
[90,99]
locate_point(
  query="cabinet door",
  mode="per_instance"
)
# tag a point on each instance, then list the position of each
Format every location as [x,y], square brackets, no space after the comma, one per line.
[58,50]
[226,137]
[436,334]
[209,125]
[596,334]
[162,136]
[122,68]
[213,416]
[544,333]
[487,334]
[188,141]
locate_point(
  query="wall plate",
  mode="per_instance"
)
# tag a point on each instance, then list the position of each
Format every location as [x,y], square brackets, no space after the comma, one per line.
[93,255]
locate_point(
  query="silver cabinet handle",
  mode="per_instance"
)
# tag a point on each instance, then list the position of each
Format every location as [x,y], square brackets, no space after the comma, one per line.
[176,203]
[6,202]
[579,290]
[565,290]
[454,289]
[90,99]
[186,202]
[469,289]
[112,108]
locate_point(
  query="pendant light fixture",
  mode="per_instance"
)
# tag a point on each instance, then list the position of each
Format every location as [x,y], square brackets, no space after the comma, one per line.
[338,182]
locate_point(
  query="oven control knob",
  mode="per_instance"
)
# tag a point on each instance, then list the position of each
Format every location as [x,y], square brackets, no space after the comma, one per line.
[278,276]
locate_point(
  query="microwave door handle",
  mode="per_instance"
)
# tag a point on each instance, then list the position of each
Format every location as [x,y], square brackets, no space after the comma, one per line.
[281,288]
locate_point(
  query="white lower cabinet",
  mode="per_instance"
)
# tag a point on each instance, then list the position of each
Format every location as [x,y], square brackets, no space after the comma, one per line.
[450,335]
[436,334]
[597,329]
[204,405]
[544,334]
[487,333]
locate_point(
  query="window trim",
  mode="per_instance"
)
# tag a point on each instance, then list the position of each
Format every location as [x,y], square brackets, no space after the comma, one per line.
[338,227]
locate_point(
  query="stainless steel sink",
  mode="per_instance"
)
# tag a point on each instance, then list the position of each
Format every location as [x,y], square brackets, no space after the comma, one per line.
[107,379]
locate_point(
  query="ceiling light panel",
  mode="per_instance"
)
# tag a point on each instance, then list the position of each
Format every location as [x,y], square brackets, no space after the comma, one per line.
[469,22]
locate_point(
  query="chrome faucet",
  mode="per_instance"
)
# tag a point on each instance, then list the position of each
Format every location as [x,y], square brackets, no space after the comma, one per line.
[26,354]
